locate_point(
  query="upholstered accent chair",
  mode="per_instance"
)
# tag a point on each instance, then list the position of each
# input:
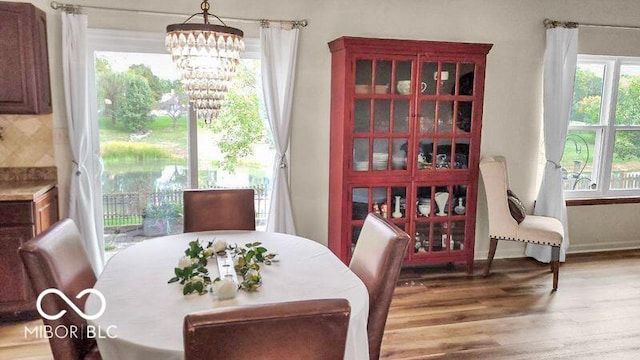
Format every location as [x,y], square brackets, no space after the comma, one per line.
[310,330]
[57,259]
[219,209]
[502,226]
[377,260]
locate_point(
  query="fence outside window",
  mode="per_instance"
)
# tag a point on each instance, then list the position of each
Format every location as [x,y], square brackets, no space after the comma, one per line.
[130,209]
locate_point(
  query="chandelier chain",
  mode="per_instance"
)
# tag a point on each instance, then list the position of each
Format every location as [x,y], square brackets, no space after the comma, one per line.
[205,6]
[205,10]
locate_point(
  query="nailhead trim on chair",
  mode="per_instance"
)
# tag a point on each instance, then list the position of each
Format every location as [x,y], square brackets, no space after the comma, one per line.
[522,240]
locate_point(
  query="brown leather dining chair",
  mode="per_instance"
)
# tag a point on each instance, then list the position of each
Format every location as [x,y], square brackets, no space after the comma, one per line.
[57,259]
[219,209]
[310,330]
[377,260]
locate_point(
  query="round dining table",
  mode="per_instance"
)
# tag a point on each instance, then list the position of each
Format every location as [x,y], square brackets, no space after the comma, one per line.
[143,317]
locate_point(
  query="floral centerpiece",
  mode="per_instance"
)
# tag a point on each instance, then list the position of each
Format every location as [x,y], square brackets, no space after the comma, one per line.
[193,274]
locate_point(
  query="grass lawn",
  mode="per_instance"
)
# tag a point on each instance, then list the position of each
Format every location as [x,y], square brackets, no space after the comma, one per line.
[132,220]
[573,152]
[172,141]
[162,134]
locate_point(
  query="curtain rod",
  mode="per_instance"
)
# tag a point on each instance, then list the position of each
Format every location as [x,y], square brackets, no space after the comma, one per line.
[548,23]
[75,9]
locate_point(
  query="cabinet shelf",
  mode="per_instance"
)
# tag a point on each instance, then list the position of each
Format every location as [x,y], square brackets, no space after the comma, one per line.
[406,134]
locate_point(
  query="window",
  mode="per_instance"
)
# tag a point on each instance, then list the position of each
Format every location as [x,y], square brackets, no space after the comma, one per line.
[150,149]
[602,153]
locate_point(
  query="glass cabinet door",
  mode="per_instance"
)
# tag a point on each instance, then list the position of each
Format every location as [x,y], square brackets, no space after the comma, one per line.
[445,115]
[439,218]
[381,115]
[387,201]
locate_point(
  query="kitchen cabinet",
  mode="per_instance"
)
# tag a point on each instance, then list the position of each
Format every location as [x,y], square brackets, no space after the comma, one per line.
[24,61]
[20,221]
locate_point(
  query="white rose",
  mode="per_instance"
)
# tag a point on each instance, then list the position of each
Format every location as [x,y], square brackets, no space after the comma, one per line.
[209,252]
[225,289]
[197,278]
[251,273]
[184,261]
[218,246]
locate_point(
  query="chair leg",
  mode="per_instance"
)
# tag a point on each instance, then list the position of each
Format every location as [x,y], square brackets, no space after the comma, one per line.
[492,251]
[555,265]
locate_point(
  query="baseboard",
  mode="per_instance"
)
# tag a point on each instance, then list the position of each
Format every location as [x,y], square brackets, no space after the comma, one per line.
[608,246]
[573,249]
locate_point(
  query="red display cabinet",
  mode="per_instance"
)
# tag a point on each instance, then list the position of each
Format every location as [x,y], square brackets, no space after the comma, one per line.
[406,119]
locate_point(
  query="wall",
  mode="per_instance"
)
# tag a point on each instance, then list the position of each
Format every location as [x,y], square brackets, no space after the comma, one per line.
[27,140]
[513,99]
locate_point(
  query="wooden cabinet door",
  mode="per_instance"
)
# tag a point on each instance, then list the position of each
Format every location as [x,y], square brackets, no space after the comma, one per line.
[13,277]
[24,62]
[46,210]
[20,221]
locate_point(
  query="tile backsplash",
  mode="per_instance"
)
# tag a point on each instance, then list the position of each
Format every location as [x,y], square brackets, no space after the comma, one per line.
[27,140]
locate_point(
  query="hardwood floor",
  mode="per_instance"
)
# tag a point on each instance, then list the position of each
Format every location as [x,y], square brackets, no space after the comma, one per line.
[512,314]
[13,343]
[439,313]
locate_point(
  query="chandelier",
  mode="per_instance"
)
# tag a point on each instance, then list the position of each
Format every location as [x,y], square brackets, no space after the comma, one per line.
[207,57]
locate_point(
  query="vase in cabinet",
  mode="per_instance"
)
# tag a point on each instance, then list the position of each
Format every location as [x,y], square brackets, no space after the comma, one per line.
[417,138]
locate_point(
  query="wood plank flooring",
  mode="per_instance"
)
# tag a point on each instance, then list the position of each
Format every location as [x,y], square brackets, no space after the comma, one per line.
[441,313]
[14,344]
[512,314]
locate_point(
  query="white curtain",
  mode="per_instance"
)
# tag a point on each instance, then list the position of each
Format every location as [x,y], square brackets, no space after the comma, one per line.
[85,193]
[559,72]
[278,57]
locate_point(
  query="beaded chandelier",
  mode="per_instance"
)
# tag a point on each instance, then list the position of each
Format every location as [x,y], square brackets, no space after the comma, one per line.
[207,57]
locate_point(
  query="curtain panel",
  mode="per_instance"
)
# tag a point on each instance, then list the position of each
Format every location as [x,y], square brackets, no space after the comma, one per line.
[85,193]
[560,59]
[278,61]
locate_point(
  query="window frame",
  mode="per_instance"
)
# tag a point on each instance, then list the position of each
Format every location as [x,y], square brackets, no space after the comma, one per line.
[605,130]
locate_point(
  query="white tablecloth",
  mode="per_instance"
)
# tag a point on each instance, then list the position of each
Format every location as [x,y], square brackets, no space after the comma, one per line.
[149,313]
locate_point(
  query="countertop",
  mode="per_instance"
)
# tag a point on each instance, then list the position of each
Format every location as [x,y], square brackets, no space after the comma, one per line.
[24,191]
[26,183]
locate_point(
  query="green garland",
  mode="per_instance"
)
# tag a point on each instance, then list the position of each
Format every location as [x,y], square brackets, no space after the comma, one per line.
[248,263]
[195,276]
